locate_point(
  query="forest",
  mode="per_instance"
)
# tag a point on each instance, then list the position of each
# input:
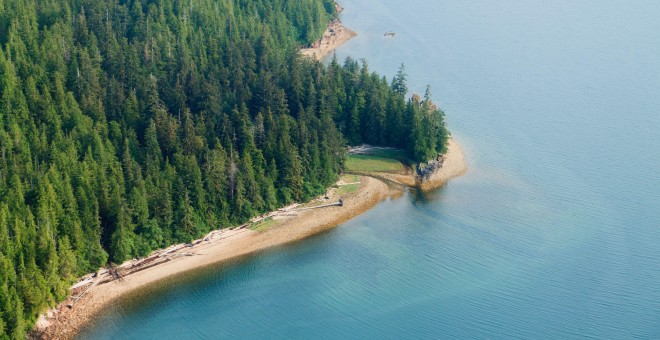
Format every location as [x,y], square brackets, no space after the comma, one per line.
[127,126]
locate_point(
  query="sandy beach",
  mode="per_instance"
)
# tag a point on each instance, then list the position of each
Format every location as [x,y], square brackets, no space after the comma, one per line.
[335,35]
[63,322]
[454,166]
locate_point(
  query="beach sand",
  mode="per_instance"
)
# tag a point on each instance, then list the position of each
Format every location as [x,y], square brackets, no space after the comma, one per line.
[335,35]
[454,166]
[293,225]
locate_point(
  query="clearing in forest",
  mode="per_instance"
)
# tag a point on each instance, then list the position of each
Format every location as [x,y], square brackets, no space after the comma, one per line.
[369,163]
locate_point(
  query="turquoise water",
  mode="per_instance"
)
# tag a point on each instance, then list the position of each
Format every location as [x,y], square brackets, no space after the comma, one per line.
[553,233]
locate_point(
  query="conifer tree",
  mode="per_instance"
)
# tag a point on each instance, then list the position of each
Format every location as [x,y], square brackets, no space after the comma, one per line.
[127,126]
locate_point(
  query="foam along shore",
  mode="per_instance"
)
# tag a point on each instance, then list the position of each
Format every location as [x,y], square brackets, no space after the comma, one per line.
[335,35]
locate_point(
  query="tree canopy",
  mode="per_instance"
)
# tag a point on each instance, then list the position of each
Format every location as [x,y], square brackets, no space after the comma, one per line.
[126,126]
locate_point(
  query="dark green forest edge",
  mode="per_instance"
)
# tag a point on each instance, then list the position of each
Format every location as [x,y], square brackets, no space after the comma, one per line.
[127,126]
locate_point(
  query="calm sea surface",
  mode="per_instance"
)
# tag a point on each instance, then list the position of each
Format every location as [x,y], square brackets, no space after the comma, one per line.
[553,233]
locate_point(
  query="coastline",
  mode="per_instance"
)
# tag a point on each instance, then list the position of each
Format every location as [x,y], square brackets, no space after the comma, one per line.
[86,299]
[94,293]
[454,165]
[334,36]
[230,244]
[64,322]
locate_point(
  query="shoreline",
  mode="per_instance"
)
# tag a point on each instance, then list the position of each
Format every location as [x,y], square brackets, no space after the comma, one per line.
[334,36]
[63,322]
[454,165]
[94,292]
[226,245]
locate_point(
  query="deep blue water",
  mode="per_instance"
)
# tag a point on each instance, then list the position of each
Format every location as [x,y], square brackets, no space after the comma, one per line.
[553,233]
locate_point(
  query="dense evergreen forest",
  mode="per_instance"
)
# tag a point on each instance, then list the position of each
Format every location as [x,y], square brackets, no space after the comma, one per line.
[126,126]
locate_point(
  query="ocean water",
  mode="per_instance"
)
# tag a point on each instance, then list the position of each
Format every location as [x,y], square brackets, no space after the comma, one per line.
[553,233]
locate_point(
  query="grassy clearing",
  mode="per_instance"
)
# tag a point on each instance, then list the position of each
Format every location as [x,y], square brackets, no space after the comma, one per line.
[397,154]
[347,189]
[351,178]
[368,163]
[263,225]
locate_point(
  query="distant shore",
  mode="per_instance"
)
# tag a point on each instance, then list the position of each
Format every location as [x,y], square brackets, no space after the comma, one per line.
[334,36]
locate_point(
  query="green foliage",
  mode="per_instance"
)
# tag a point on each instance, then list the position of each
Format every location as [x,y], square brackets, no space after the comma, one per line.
[127,126]
[120,121]
[377,113]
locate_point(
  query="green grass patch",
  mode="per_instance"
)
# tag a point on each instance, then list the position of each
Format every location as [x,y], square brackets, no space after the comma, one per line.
[347,189]
[397,154]
[368,163]
[351,178]
[263,225]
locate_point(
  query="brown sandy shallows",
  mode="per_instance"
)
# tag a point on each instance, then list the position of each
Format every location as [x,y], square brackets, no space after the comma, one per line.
[335,35]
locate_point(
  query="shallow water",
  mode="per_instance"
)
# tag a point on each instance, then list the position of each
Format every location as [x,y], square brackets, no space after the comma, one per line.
[553,233]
